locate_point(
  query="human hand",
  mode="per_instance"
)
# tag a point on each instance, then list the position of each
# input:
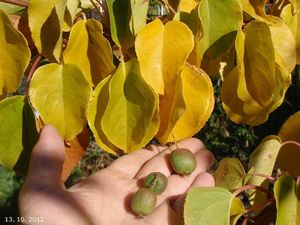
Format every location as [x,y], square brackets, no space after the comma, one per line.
[104,197]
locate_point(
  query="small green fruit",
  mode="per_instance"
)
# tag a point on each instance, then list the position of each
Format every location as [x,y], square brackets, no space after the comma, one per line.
[157,182]
[183,161]
[143,202]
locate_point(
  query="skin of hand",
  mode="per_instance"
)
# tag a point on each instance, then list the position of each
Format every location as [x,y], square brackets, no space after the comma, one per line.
[104,197]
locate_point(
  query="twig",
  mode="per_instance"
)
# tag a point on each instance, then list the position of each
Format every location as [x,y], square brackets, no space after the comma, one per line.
[16,2]
[252,186]
[169,6]
[261,175]
[31,71]
[96,7]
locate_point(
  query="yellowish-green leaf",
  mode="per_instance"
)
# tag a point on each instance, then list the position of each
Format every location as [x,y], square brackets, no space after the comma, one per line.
[11,8]
[86,4]
[212,14]
[90,51]
[95,111]
[288,157]
[292,19]
[229,174]
[46,18]
[130,119]
[202,204]
[263,158]
[70,13]
[287,202]
[164,54]
[15,55]
[139,9]
[120,15]
[236,211]
[17,131]
[60,94]
[185,111]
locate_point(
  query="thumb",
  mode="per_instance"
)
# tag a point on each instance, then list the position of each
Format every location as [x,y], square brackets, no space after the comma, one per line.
[47,158]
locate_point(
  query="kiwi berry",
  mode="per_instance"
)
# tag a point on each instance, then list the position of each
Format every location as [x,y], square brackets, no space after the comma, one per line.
[157,182]
[143,202]
[183,161]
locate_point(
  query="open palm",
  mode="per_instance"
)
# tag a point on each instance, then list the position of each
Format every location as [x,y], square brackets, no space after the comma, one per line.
[104,197]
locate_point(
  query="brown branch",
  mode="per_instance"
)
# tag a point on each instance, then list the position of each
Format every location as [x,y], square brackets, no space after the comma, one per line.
[261,175]
[252,186]
[16,2]
[31,71]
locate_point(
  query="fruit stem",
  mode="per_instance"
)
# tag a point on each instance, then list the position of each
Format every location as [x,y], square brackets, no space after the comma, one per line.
[251,186]
[16,2]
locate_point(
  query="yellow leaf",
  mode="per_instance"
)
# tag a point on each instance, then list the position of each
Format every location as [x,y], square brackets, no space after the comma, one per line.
[185,110]
[187,5]
[15,55]
[90,51]
[257,85]
[288,157]
[284,44]
[259,64]
[130,119]
[292,19]
[164,54]
[95,111]
[46,18]
[60,94]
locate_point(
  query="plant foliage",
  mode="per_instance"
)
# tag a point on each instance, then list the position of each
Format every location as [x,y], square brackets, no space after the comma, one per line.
[131,78]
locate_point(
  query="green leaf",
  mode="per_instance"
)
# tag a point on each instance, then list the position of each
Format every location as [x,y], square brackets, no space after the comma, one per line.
[11,8]
[17,130]
[213,14]
[130,119]
[15,55]
[287,202]
[90,51]
[202,204]
[120,20]
[65,105]
[46,20]
[229,174]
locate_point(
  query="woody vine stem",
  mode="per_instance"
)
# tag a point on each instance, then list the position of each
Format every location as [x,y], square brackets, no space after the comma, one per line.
[16,2]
